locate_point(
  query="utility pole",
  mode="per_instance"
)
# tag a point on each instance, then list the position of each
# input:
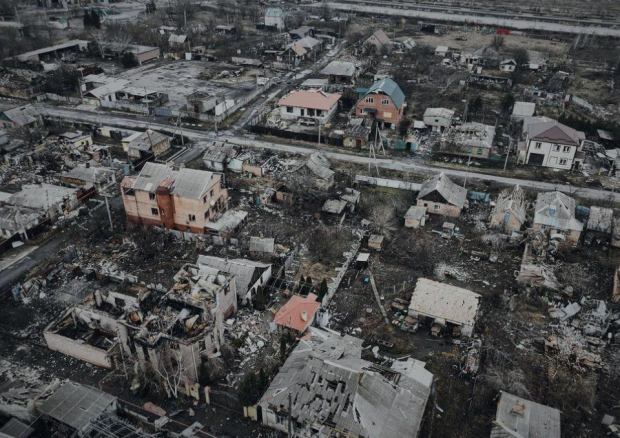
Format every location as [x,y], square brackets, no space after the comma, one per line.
[319,130]
[467,172]
[107,206]
[508,153]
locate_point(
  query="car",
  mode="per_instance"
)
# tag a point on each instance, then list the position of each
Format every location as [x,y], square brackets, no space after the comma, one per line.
[308,121]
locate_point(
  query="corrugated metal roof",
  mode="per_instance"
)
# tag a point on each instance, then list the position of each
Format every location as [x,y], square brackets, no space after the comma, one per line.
[75,405]
[146,140]
[41,196]
[258,244]
[191,183]
[517,417]
[151,176]
[16,429]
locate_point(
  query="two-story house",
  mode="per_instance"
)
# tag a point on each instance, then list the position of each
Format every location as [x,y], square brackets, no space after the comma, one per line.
[184,200]
[384,101]
[552,144]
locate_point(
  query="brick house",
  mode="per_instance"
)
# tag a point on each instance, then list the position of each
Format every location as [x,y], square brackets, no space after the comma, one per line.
[184,200]
[384,101]
[441,196]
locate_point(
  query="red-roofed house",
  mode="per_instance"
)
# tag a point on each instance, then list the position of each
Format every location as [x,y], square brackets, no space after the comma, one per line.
[298,313]
[313,104]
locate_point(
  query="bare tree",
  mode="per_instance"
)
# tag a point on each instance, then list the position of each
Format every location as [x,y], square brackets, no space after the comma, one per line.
[512,381]
[172,370]
[498,42]
[382,219]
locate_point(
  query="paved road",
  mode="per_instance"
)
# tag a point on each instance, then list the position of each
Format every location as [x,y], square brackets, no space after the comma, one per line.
[408,165]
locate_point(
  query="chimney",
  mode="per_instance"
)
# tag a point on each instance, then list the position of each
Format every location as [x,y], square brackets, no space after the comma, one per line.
[304,315]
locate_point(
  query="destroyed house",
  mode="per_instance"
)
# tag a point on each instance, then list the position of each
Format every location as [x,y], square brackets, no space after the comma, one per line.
[88,177]
[297,314]
[49,201]
[438,118]
[334,392]
[185,200]
[187,322]
[555,214]
[445,305]
[384,101]
[600,220]
[249,275]
[262,246]
[441,196]
[509,212]
[517,417]
[469,139]
[148,143]
[86,334]
[318,171]
[73,406]
[219,156]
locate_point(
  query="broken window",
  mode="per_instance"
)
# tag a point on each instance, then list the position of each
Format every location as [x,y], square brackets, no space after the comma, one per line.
[566,149]
[537,145]
[289,109]
[479,151]
[207,214]
[563,161]
[556,148]
[192,217]
[204,200]
[385,101]
[211,193]
[154,211]
[152,196]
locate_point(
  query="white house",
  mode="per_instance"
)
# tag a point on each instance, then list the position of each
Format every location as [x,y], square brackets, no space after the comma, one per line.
[552,144]
[438,118]
[313,104]
[274,17]
[508,65]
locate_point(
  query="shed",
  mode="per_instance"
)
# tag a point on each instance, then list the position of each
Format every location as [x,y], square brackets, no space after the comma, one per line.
[415,217]
[375,241]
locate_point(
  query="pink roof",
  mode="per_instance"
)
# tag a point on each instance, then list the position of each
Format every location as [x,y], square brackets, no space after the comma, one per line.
[298,312]
[310,99]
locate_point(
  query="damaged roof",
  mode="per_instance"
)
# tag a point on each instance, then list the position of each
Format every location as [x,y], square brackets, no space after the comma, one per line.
[219,152]
[262,244]
[453,194]
[443,301]
[186,183]
[319,165]
[555,209]
[335,391]
[511,200]
[146,140]
[41,196]
[517,417]
[75,405]
[91,174]
[243,270]
[600,219]
[21,115]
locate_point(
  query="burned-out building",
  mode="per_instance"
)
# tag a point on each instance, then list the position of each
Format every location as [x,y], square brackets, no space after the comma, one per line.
[249,275]
[317,170]
[340,72]
[185,327]
[441,196]
[149,143]
[326,389]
